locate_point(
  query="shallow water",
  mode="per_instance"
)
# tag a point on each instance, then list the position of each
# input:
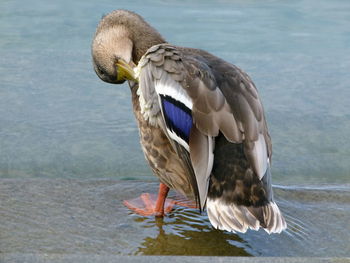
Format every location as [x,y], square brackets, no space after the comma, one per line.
[59,121]
[87,216]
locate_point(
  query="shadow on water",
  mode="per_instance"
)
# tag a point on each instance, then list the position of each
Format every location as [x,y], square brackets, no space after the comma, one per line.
[317,226]
[185,232]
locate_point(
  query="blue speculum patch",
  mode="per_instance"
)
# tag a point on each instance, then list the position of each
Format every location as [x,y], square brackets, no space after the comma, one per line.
[178,117]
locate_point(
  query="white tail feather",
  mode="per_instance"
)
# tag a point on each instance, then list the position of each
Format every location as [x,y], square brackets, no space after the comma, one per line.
[235,218]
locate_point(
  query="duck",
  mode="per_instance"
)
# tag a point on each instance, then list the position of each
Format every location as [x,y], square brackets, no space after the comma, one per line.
[201,123]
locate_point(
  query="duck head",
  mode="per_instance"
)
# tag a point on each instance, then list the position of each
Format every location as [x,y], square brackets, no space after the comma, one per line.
[121,38]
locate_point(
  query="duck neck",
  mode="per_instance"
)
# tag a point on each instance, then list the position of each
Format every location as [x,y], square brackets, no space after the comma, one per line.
[143,40]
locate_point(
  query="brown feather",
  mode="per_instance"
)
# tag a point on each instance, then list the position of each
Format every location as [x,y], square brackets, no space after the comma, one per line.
[225,107]
[202,161]
[226,103]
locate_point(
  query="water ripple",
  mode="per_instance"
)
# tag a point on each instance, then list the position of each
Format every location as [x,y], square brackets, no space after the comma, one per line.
[68,216]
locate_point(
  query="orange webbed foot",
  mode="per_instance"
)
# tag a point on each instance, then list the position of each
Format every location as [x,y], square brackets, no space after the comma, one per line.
[146,205]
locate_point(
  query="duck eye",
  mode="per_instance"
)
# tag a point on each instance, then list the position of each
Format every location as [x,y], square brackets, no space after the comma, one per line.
[100,71]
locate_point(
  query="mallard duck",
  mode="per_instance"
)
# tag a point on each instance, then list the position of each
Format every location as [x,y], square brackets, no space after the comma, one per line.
[202,125]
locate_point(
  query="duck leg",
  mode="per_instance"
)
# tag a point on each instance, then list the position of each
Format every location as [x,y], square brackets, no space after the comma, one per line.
[149,204]
[162,194]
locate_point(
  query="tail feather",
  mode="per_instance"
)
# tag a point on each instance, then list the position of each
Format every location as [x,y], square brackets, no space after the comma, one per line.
[238,218]
[273,219]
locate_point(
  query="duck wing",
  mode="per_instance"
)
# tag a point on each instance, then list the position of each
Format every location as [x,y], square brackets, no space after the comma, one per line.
[201,99]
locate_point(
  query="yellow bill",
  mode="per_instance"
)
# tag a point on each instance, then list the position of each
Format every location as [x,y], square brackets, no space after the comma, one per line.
[125,71]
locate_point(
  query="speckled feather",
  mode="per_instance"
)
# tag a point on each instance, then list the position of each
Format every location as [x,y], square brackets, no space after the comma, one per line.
[226,106]
[201,122]
[163,156]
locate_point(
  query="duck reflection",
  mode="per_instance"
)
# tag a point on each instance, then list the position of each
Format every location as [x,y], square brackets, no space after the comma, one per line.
[184,232]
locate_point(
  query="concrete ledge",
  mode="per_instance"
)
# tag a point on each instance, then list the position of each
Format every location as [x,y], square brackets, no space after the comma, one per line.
[93,258]
[51,220]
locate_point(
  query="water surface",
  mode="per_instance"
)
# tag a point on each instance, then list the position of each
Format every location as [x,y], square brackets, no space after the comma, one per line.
[87,217]
[59,122]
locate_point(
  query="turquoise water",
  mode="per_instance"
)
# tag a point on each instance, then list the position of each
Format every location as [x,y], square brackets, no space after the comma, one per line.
[59,121]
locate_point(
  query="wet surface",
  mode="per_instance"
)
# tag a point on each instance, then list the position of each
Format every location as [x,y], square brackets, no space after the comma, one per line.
[58,120]
[77,217]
